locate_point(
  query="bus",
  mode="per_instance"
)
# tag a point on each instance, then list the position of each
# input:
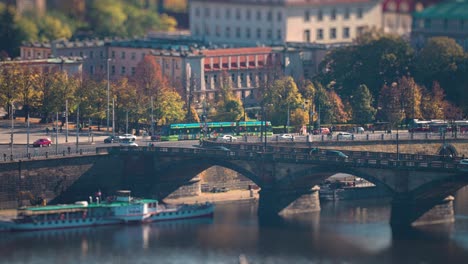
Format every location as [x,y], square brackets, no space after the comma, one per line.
[193,131]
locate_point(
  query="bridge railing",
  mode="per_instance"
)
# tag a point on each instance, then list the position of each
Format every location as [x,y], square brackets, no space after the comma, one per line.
[42,153]
[358,137]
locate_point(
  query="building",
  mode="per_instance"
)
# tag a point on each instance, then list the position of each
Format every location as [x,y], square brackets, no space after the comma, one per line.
[448,19]
[35,6]
[276,22]
[35,50]
[202,72]
[397,15]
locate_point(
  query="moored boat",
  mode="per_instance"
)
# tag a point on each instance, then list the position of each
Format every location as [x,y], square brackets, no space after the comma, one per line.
[120,209]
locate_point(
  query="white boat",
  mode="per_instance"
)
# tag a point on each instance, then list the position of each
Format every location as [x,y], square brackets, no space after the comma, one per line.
[121,209]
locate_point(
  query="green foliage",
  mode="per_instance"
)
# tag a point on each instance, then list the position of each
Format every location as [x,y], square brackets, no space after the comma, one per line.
[10,33]
[361,102]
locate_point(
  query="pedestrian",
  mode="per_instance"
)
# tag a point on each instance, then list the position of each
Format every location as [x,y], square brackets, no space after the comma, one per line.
[47,130]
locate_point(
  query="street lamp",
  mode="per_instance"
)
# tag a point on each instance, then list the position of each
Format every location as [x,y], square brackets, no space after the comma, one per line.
[108,89]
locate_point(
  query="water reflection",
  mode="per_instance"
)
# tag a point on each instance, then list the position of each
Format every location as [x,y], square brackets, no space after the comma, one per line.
[342,232]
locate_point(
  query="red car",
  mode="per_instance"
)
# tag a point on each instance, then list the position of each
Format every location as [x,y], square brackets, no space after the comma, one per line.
[42,142]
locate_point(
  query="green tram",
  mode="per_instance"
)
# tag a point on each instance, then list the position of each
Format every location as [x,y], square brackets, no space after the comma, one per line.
[191,131]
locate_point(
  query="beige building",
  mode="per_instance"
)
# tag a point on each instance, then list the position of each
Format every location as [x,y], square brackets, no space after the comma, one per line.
[202,72]
[280,21]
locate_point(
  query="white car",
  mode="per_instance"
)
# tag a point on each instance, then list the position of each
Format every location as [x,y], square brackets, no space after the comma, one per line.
[228,138]
[344,135]
[127,136]
[286,136]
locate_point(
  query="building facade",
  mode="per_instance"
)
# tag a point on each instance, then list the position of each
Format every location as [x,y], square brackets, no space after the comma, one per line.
[397,15]
[277,22]
[448,19]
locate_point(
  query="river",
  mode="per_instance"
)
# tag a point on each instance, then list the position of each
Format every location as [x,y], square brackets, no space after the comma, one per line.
[343,232]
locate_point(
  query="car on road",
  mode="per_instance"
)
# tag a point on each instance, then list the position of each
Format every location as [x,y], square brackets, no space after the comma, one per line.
[111,139]
[344,136]
[228,138]
[42,142]
[127,136]
[321,131]
[286,136]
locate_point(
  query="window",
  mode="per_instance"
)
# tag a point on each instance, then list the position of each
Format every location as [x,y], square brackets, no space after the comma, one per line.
[427,23]
[207,12]
[307,15]
[259,15]
[238,14]
[259,33]
[333,33]
[333,14]
[122,70]
[279,34]
[307,35]
[197,30]
[113,54]
[359,12]
[247,33]
[91,54]
[346,13]
[248,14]
[346,32]
[113,69]
[228,13]
[207,30]
[197,12]
[101,54]
[215,78]
[122,55]
[233,78]
[217,31]
[319,33]
[279,16]
[228,32]
[133,56]
[269,34]
[269,16]
[133,71]
[238,32]
[206,80]
[242,77]
[91,69]
[320,15]
[216,13]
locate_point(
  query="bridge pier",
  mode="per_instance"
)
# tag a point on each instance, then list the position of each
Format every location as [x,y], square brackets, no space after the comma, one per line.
[407,213]
[276,201]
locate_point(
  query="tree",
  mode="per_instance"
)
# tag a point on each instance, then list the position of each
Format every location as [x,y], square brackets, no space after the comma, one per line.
[9,33]
[373,62]
[361,101]
[390,104]
[9,76]
[411,97]
[284,96]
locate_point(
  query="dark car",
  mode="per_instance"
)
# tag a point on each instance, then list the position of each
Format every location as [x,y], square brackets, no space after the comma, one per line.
[111,139]
[42,142]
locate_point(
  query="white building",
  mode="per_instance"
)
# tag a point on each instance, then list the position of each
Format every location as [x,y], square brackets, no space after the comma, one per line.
[274,22]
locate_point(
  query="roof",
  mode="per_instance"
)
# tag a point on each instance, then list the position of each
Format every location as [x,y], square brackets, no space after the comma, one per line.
[457,9]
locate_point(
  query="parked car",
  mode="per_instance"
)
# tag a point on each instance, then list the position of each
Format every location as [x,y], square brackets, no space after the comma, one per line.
[42,142]
[344,136]
[286,136]
[111,139]
[228,138]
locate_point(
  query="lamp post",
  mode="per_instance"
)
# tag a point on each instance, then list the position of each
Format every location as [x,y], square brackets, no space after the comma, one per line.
[108,90]
[12,130]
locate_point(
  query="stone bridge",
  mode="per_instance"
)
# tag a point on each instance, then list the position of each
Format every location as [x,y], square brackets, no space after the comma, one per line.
[419,184]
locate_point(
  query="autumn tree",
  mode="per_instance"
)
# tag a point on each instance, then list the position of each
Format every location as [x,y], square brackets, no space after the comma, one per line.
[390,104]
[411,97]
[361,101]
